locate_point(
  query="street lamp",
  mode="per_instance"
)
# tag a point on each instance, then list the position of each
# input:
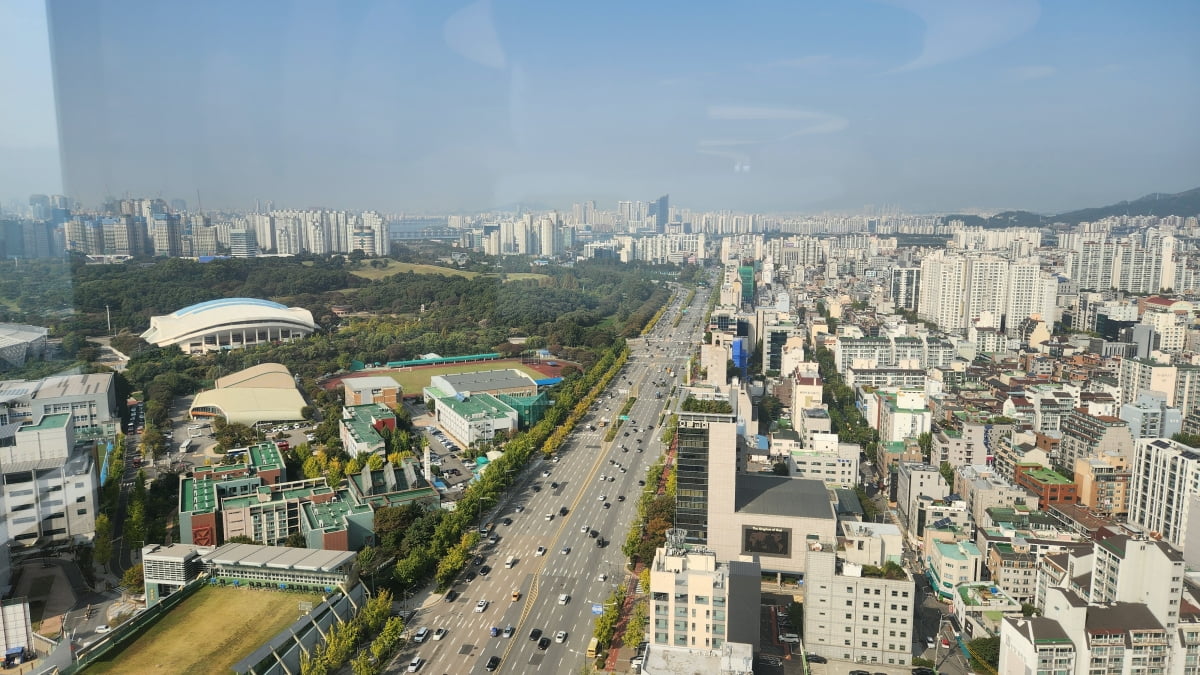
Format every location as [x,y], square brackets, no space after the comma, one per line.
[937,641]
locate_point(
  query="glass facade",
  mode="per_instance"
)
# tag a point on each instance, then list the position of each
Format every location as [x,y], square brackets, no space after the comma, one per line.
[691,495]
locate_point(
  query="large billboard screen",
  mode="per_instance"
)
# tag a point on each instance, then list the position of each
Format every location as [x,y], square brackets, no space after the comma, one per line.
[769,541]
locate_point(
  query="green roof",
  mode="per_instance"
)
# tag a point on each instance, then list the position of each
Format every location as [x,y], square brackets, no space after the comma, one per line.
[198,495]
[477,406]
[1048,476]
[359,422]
[55,421]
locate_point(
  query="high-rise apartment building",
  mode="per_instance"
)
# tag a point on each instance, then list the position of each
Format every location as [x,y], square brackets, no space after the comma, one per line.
[1166,492]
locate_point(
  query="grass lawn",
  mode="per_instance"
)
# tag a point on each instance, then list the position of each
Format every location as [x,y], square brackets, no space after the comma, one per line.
[396,267]
[413,381]
[208,632]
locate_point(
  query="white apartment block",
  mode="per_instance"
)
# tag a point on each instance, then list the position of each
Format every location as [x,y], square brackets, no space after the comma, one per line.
[915,480]
[1165,493]
[696,602]
[852,614]
[827,460]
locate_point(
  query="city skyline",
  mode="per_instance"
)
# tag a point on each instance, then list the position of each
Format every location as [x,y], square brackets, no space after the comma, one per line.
[471,107]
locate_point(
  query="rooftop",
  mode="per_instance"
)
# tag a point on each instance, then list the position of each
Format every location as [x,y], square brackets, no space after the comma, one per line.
[782,496]
[485,380]
[55,421]
[477,406]
[1048,476]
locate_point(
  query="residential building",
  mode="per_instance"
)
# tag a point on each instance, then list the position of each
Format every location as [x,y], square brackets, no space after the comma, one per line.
[698,602]
[913,481]
[856,612]
[826,460]
[951,563]
[1047,485]
[1087,436]
[1166,492]
[1149,416]
[372,389]
[1104,484]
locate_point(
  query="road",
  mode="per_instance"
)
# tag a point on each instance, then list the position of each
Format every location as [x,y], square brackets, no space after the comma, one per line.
[541,580]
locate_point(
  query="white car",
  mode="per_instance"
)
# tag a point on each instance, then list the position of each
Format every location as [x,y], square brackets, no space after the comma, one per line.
[545,474]
[560,636]
[415,664]
[602,498]
[602,577]
[103,628]
[481,605]
[421,635]
[584,529]
[439,634]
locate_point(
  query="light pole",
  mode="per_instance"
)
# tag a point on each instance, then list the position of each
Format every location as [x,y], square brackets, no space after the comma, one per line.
[937,640]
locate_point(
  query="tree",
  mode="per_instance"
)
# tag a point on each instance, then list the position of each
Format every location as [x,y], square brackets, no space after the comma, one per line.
[296,540]
[132,579]
[240,539]
[985,651]
[925,441]
[947,472]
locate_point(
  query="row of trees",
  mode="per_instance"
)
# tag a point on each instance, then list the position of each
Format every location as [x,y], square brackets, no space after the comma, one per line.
[373,626]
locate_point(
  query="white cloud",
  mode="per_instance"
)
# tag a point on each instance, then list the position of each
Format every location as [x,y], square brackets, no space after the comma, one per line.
[959,28]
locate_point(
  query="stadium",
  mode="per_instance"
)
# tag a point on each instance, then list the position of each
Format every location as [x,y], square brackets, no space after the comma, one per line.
[229,323]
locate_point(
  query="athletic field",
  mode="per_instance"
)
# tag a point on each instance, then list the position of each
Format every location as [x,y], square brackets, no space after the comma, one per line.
[208,632]
[413,380]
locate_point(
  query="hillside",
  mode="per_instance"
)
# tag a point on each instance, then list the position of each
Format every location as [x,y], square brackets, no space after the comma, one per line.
[1158,204]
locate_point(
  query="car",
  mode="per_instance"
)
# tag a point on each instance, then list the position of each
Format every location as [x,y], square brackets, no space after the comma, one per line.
[564,599]
[789,637]
[492,664]
[817,658]
[494,631]
[565,550]
[481,605]
[519,509]
[421,635]
[602,577]
[603,478]
[620,498]
[602,498]
[494,539]
[623,470]
[545,474]
[450,595]
[607,505]
[544,644]
[470,577]
[562,511]
[541,550]
[415,664]
[860,672]
[478,560]
[560,637]
[641,483]
[554,486]
[535,633]
[103,628]
[919,670]
[584,529]
[945,642]
[507,521]
[929,643]
[612,479]
[535,488]
[439,633]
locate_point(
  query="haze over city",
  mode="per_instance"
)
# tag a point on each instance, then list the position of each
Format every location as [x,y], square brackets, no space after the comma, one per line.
[450,107]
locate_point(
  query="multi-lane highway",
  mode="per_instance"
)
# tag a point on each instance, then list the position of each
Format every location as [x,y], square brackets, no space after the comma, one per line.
[596,483]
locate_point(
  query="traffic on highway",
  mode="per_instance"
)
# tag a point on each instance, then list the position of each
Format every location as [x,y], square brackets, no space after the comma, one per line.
[550,554]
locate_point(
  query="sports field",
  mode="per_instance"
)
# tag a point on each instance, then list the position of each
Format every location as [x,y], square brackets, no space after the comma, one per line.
[396,267]
[414,380]
[208,632]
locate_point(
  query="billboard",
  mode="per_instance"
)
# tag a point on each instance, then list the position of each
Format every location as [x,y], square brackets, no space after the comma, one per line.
[767,541]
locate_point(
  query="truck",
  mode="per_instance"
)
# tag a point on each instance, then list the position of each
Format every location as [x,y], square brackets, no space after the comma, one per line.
[603,422]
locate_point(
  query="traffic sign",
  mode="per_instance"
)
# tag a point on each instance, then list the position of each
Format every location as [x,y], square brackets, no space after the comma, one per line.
[597,609]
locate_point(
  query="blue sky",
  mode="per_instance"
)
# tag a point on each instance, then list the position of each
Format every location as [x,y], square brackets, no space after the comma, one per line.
[923,105]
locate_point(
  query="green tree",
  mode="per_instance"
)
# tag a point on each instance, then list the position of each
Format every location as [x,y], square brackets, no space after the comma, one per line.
[985,651]
[947,472]
[132,579]
[925,441]
[241,539]
[296,540]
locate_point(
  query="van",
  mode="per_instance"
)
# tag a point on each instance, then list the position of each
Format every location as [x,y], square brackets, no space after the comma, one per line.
[592,648]
[508,564]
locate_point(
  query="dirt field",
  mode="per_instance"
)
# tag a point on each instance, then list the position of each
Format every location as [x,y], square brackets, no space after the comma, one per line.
[208,632]
[394,267]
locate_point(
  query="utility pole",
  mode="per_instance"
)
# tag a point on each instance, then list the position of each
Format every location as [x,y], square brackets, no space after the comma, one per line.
[108,316]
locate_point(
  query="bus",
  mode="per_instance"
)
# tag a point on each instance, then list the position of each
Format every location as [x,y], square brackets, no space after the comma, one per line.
[592,648]
[185,447]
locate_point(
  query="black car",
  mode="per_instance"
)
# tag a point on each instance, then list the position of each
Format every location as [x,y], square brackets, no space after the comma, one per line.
[478,560]
[815,658]
[535,633]
[919,670]
[483,571]
[508,521]
[450,595]
[470,577]
[492,664]
[860,672]
[562,511]
[641,483]
[554,486]
[544,644]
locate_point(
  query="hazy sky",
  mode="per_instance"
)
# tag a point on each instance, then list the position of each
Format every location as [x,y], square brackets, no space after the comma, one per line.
[760,106]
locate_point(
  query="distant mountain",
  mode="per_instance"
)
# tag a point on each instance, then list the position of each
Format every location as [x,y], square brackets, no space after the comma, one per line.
[1158,204]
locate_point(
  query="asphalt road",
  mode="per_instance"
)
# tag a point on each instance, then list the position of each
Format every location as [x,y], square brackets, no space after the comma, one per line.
[541,580]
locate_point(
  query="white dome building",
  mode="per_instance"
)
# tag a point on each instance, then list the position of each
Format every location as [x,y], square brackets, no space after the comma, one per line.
[229,323]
